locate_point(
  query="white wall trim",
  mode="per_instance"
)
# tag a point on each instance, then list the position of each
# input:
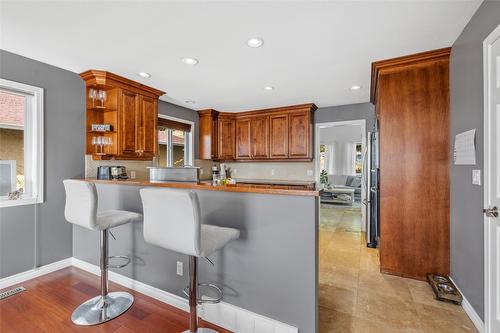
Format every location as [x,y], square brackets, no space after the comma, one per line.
[223,314]
[34,273]
[488,262]
[469,310]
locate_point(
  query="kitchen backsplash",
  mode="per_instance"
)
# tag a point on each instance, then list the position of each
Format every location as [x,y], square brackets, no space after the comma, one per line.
[140,167]
[273,170]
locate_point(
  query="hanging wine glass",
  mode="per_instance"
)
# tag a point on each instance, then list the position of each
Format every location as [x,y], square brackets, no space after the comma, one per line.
[93,95]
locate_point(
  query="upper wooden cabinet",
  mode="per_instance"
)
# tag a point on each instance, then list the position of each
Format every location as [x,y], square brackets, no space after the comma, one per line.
[272,134]
[226,135]
[132,111]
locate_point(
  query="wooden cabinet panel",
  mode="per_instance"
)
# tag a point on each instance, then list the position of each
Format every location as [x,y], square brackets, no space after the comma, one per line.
[413,104]
[226,139]
[278,127]
[299,135]
[259,136]
[272,134]
[146,126]
[129,104]
[243,138]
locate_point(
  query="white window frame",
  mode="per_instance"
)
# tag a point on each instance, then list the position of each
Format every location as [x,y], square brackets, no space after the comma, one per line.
[188,151]
[33,143]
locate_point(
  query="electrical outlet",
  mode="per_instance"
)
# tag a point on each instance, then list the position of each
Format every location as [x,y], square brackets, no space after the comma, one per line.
[201,171]
[180,268]
[272,172]
[132,174]
[234,171]
[309,172]
[476,177]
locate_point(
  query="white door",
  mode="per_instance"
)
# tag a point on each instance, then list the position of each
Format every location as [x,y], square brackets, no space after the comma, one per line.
[492,181]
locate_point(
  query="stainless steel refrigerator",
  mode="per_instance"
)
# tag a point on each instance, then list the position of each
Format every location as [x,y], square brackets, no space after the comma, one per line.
[372,197]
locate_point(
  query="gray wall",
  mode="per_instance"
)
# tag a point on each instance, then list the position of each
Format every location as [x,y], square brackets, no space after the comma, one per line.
[177,111]
[64,158]
[466,79]
[347,112]
[64,106]
[270,270]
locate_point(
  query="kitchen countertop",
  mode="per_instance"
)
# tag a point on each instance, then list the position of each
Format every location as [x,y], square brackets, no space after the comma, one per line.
[309,183]
[306,189]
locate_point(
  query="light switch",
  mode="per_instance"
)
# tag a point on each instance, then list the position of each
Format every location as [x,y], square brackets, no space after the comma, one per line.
[476,177]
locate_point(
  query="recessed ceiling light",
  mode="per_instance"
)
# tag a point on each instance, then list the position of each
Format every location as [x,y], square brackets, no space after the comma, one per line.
[255,42]
[268,88]
[189,102]
[190,61]
[144,75]
[355,87]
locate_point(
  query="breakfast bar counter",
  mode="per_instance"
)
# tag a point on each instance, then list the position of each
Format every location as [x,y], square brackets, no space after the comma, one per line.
[305,189]
[274,262]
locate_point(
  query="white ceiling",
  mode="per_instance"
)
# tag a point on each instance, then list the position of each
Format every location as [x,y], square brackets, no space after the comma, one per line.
[342,133]
[314,51]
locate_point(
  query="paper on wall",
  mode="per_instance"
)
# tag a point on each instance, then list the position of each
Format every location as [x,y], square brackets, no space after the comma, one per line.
[464,152]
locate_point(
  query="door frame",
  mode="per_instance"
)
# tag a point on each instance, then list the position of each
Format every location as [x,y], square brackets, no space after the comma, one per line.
[494,35]
[318,126]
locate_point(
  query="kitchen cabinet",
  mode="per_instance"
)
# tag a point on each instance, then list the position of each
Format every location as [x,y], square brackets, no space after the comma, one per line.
[299,138]
[259,137]
[278,134]
[411,95]
[278,130]
[131,111]
[226,139]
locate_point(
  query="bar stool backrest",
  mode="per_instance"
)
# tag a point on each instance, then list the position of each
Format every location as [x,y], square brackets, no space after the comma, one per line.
[172,219]
[81,203]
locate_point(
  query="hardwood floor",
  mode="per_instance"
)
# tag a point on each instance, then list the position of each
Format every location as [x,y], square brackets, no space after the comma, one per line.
[47,304]
[354,297]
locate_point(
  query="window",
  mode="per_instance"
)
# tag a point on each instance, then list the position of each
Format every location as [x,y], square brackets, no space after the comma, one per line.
[21,144]
[358,158]
[174,142]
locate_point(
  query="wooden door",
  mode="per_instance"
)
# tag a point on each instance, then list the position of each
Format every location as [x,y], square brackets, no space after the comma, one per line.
[259,135]
[243,139]
[146,127]
[129,105]
[299,135]
[278,136]
[413,106]
[226,139]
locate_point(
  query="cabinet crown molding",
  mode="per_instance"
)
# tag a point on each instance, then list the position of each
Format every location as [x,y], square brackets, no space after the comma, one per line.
[399,63]
[104,78]
[299,107]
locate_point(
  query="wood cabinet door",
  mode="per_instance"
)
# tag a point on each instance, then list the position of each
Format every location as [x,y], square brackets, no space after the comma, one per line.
[226,139]
[278,136]
[299,135]
[146,127]
[243,139]
[129,104]
[259,136]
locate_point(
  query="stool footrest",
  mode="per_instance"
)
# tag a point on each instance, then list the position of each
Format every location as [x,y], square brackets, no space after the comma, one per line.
[210,300]
[126,258]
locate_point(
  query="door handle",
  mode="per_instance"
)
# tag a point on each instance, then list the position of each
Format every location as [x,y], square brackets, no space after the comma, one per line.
[491,212]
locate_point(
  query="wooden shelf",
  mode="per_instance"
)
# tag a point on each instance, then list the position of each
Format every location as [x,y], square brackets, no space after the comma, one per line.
[100,109]
[101,132]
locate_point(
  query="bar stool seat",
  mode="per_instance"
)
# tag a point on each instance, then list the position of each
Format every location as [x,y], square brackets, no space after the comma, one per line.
[81,210]
[213,238]
[113,218]
[172,220]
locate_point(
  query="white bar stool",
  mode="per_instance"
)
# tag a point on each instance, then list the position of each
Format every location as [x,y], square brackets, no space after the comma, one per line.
[172,221]
[81,209]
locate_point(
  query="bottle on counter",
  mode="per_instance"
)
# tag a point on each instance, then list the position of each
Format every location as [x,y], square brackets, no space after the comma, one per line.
[215,175]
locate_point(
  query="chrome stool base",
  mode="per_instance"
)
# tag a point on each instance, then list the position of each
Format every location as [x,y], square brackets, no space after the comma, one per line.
[202,330]
[100,309]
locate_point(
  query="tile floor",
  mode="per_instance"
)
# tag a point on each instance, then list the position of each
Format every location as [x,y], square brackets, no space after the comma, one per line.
[355,297]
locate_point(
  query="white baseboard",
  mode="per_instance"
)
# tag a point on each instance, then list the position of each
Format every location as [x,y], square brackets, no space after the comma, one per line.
[34,273]
[469,310]
[223,314]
